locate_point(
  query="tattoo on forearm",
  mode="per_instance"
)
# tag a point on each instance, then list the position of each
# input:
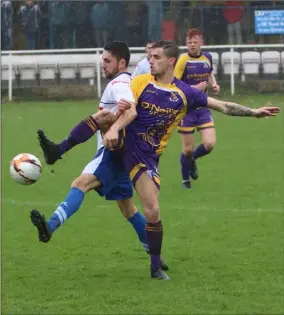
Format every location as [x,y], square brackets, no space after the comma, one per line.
[233,109]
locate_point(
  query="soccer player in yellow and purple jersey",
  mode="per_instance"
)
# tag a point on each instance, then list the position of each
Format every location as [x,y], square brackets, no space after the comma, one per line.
[161,102]
[195,68]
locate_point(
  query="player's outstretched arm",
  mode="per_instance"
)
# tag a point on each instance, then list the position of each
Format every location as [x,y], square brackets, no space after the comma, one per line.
[233,109]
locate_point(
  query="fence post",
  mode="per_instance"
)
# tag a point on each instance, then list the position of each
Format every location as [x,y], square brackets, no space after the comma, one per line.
[10,87]
[232,72]
[99,79]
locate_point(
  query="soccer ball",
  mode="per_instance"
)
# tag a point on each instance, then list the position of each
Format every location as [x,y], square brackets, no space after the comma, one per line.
[25,169]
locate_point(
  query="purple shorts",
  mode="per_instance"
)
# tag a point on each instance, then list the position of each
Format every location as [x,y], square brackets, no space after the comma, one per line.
[200,118]
[136,162]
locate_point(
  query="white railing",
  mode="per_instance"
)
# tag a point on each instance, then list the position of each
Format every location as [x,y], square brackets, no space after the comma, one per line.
[231,48]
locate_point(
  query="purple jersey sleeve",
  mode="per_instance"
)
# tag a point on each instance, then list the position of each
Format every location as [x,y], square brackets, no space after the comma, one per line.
[195,98]
[209,56]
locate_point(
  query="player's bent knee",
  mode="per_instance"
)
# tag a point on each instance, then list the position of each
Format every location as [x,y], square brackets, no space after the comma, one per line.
[86,182]
[210,145]
[152,213]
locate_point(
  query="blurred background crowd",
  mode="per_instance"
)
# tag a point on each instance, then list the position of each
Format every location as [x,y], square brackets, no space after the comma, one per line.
[82,24]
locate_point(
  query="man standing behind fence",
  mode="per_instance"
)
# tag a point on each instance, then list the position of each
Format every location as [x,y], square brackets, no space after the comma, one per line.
[234,13]
[30,16]
[100,21]
[61,25]
[6,25]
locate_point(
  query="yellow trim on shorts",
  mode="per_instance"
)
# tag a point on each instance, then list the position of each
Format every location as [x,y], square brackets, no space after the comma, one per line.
[210,124]
[135,170]
[188,129]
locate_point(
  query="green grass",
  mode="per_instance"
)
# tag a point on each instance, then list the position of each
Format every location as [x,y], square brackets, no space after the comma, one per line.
[223,239]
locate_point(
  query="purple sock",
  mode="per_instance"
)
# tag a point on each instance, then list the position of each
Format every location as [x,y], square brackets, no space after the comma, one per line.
[79,134]
[199,152]
[154,232]
[185,162]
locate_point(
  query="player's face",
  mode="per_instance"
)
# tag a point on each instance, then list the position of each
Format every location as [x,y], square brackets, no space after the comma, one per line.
[159,62]
[110,65]
[148,50]
[194,45]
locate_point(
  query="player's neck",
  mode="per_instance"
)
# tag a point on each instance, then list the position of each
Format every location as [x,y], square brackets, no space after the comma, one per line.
[197,55]
[125,70]
[166,78]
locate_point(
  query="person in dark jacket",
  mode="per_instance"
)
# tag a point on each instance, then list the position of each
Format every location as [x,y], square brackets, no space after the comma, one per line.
[6,25]
[100,23]
[30,19]
[62,30]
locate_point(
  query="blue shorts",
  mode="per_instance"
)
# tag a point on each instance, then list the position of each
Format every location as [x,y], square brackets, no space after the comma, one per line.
[108,167]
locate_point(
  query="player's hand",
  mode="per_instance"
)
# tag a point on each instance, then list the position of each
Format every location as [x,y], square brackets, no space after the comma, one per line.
[202,86]
[215,88]
[111,138]
[265,112]
[122,106]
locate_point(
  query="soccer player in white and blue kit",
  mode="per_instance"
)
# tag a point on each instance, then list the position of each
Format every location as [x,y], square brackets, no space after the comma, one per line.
[143,66]
[105,173]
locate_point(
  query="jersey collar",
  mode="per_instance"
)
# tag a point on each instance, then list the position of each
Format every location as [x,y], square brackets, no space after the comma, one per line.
[195,56]
[174,81]
[128,73]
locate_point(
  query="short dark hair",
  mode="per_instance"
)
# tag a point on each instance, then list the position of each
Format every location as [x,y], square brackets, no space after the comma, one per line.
[120,50]
[150,41]
[170,47]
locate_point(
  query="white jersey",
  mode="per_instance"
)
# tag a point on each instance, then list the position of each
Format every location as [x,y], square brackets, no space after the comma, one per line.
[142,67]
[117,88]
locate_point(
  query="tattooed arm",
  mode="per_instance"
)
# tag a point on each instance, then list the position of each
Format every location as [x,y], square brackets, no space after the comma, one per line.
[233,109]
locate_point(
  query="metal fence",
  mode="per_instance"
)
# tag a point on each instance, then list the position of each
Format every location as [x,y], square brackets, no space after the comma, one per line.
[231,63]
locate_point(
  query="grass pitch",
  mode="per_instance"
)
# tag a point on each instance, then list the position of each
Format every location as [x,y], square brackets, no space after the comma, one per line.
[223,239]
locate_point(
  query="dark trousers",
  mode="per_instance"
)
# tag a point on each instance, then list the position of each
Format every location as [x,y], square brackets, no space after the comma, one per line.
[6,39]
[31,40]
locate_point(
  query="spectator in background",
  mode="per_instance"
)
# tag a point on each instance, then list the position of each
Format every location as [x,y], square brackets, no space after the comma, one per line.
[81,20]
[213,22]
[60,24]
[234,13]
[100,23]
[117,16]
[30,19]
[6,25]
[134,24]
[155,17]
[44,30]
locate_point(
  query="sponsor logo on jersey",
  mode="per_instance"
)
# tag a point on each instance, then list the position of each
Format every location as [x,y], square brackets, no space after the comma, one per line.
[173,97]
[117,81]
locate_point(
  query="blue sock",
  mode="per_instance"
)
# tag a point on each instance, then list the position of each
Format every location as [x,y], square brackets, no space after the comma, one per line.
[66,208]
[138,222]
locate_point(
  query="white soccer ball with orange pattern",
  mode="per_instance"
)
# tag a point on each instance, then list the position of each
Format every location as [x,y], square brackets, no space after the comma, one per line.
[25,169]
